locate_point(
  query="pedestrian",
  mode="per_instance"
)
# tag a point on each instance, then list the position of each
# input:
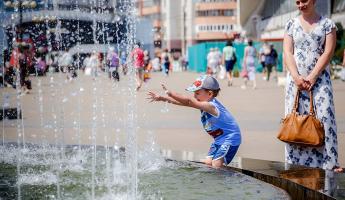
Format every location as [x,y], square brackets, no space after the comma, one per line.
[156,65]
[229,60]
[19,61]
[309,43]
[137,58]
[93,65]
[113,64]
[147,65]
[212,62]
[165,57]
[270,60]
[274,54]
[216,119]
[249,64]
[123,62]
[262,60]
[66,63]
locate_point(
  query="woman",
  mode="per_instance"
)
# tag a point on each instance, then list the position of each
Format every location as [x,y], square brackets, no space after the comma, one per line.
[249,64]
[229,60]
[309,43]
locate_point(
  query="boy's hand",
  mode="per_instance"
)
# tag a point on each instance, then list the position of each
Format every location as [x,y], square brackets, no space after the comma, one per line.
[154,97]
[165,89]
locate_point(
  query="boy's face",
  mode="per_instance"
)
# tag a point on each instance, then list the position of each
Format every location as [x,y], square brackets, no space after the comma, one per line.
[203,95]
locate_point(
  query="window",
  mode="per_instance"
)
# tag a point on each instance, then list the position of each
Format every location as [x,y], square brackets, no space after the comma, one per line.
[205,13]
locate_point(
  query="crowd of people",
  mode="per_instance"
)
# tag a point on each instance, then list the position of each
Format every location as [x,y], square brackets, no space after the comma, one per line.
[220,64]
[24,61]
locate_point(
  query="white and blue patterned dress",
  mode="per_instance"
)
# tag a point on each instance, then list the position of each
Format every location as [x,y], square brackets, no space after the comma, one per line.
[308,47]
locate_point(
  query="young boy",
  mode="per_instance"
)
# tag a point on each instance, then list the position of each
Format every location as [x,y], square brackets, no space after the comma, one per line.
[215,118]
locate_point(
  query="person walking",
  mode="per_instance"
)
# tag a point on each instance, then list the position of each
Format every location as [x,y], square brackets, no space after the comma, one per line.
[137,56]
[212,62]
[309,44]
[165,57]
[229,60]
[113,63]
[270,60]
[249,64]
[262,60]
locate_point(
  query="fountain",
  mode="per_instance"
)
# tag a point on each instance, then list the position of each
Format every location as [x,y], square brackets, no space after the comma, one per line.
[78,140]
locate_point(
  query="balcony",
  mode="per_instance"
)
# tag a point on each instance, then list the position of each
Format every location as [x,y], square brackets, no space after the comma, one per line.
[215,20]
[150,10]
[215,6]
[212,36]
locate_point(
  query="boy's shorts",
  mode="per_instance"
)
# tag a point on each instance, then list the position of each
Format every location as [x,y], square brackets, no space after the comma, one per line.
[225,151]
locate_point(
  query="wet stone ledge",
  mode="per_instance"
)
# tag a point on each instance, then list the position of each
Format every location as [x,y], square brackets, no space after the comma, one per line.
[299,181]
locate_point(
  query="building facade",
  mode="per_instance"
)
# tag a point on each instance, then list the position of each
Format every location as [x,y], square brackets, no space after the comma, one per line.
[215,20]
[266,19]
[181,23]
[63,24]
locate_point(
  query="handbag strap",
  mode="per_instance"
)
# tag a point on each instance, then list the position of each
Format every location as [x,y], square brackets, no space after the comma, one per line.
[311,111]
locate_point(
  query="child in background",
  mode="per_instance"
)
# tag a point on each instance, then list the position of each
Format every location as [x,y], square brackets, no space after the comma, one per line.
[215,118]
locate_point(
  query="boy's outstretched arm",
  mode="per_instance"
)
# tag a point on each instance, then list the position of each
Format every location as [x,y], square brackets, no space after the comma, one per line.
[155,97]
[191,102]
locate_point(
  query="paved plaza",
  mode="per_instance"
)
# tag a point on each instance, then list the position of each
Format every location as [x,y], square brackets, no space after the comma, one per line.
[76,112]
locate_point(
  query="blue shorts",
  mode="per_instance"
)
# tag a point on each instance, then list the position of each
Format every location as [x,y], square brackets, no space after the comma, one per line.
[225,151]
[229,65]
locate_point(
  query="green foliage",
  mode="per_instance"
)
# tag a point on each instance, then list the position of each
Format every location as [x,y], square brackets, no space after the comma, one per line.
[340,47]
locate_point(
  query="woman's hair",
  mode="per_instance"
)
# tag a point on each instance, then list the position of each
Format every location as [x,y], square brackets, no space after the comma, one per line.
[229,43]
[214,92]
[250,42]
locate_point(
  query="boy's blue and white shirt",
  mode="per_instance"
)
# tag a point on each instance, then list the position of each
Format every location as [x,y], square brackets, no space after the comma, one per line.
[224,121]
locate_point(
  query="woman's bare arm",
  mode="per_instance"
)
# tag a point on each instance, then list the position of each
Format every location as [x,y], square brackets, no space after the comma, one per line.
[324,59]
[290,62]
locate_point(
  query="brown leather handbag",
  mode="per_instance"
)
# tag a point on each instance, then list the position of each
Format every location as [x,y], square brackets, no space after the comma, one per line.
[303,130]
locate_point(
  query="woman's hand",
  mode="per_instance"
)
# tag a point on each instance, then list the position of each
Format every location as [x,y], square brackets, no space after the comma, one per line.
[311,80]
[154,97]
[301,83]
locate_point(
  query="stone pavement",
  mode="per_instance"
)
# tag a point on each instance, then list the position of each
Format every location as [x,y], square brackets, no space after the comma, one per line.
[55,115]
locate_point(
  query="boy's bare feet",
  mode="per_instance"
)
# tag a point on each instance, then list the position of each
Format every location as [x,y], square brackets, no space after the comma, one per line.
[338,169]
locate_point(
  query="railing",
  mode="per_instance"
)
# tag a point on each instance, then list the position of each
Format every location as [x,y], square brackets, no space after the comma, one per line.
[61,14]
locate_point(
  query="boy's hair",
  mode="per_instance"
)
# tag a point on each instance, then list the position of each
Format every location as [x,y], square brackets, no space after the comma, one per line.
[214,92]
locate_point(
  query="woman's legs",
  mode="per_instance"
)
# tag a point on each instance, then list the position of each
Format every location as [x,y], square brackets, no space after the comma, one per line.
[229,66]
[244,86]
[264,70]
[229,75]
[140,78]
[269,70]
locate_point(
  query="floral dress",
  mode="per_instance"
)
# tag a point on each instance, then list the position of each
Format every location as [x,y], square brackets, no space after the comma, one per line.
[250,62]
[308,47]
